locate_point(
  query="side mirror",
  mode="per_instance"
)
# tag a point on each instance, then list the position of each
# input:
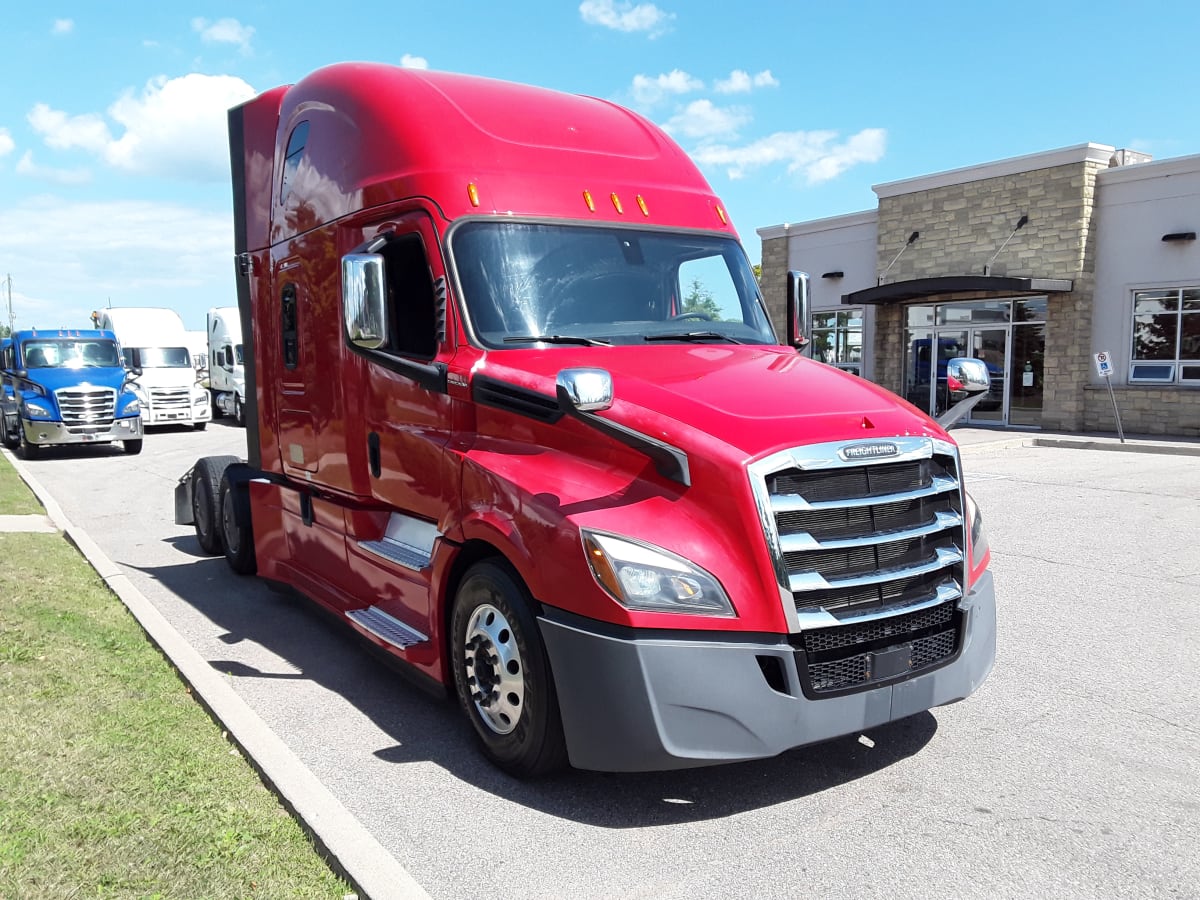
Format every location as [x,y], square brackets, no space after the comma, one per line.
[967,382]
[131,374]
[21,373]
[799,307]
[587,390]
[364,305]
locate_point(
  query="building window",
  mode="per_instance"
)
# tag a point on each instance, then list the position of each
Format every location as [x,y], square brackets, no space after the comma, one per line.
[1166,336]
[837,338]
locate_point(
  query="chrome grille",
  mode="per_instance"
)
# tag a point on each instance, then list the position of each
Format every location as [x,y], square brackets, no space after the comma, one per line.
[860,536]
[170,398]
[87,407]
[869,555]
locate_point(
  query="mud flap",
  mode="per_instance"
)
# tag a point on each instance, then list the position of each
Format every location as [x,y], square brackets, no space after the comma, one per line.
[183,500]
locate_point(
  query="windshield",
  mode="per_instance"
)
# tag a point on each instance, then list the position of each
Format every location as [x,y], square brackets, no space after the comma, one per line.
[70,354]
[158,357]
[585,285]
[237,355]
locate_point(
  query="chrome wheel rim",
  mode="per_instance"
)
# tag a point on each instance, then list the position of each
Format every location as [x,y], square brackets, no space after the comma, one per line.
[494,669]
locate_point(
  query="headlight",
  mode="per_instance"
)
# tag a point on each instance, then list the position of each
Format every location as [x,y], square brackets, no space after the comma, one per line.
[38,408]
[979,541]
[640,576]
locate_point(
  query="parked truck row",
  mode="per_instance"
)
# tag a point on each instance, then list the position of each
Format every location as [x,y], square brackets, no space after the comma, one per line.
[487,430]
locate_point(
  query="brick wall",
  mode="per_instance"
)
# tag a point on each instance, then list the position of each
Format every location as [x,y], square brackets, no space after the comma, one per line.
[1144,410]
[774,282]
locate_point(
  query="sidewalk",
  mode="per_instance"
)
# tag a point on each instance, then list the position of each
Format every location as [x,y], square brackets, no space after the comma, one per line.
[975,438]
[36,523]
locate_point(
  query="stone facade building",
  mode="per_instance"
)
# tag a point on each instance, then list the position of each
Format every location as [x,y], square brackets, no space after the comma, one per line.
[1034,264]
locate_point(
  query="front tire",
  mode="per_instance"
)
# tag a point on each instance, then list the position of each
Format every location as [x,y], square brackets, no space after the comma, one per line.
[239,413]
[199,426]
[133,447]
[206,486]
[28,450]
[502,674]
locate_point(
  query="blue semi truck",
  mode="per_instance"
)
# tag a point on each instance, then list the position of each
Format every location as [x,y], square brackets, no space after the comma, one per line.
[67,387]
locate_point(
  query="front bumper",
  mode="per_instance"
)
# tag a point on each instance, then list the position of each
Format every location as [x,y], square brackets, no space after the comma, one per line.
[46,434]
[647,704]
[176,415]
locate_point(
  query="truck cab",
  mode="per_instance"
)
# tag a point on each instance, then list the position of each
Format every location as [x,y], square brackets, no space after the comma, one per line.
[226,364]
[67,387]
[155,341]
[517,415]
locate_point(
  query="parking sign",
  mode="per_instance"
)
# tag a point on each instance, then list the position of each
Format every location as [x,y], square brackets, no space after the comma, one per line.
[1103,364]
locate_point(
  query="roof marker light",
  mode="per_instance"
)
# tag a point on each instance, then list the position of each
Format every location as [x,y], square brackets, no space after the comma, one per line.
[641,201]
[473,193]
[617,203]
[721,213]
[587,198]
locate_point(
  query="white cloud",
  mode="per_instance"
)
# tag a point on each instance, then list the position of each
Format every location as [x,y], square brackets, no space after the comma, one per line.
[626,16]
[63,132]
[27,167]
[409,61]
[648,91]
[175,128]
[62,26]
[742,82]
[135,256]
[702,119]
[224,31]
[7,144]
[814,154]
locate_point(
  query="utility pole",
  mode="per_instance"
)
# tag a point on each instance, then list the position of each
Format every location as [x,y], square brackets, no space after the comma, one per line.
[11,321]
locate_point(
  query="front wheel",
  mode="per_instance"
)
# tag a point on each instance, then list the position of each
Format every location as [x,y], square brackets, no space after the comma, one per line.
[28,450]
[239,413]
[200,426]
[502,675]
[133,447]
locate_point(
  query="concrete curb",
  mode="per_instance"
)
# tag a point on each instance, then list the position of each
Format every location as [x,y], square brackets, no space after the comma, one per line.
[365,862]
[1130,446]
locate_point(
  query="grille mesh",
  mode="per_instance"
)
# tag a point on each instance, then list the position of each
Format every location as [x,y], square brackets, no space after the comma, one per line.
[87,406]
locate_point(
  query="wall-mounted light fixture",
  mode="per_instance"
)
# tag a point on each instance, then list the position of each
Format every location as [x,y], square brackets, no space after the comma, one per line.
[1180,236]
[833,274]
[912,237]
[1021,223]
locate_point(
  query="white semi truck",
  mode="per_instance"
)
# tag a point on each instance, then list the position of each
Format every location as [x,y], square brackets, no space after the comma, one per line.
[226,370]
[155,340]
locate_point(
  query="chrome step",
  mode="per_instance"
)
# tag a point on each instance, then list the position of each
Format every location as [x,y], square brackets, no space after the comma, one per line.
[385,627]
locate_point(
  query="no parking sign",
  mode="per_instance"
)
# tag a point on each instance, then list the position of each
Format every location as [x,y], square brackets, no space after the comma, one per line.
[1104,366]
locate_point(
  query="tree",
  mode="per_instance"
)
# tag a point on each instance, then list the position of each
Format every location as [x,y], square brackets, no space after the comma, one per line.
[757,267]
[699,299]
[5,331]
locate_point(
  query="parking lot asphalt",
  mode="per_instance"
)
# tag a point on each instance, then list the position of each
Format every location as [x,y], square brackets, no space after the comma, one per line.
[374,870]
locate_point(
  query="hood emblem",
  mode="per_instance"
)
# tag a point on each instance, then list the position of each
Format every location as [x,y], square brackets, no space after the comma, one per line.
[873,450]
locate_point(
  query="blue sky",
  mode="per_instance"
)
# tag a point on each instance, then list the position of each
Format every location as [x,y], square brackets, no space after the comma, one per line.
[114,184]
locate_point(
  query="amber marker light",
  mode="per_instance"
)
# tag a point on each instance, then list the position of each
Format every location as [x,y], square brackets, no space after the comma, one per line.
[721,213]
[642,206]
[617,203]
[587,198]
[473,194]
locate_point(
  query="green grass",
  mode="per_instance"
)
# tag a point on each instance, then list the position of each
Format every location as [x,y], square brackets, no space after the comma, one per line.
[114,781]
[15,497]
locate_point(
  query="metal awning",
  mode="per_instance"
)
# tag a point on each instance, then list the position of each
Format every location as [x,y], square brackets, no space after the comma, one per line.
[899,291]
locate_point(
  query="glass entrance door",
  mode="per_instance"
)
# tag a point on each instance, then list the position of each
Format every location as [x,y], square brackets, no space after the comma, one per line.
[929,350]
[991,346]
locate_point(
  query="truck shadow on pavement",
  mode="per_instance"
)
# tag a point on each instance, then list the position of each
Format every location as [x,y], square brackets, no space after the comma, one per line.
[310,652]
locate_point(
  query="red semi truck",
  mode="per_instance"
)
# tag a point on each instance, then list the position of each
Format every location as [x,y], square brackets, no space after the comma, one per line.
[517,414]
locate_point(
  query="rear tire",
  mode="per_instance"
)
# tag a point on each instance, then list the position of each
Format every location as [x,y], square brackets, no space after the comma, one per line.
[238,540]
[133,447]
[502,674]
[206,486]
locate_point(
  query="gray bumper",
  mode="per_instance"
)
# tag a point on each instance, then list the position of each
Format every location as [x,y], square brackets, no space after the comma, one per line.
[45,434]
[648,704]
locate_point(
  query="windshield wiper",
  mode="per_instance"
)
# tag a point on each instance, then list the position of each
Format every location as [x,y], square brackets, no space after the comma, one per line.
[692,336]
[556,339]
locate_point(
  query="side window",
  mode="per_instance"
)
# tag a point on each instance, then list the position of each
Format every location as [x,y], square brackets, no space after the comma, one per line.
[291,161]
[288,327]
[413,309]
[707,289]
